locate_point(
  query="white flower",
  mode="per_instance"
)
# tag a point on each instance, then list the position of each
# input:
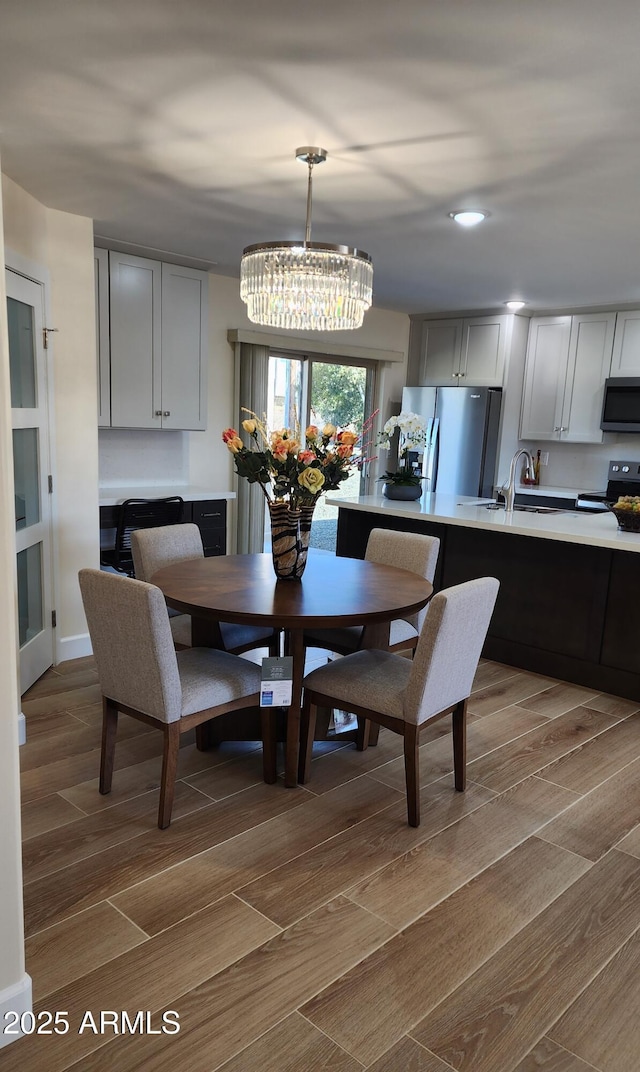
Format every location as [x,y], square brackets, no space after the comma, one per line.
[412,428]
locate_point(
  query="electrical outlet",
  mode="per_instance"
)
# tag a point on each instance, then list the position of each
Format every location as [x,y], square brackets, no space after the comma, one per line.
[544,457]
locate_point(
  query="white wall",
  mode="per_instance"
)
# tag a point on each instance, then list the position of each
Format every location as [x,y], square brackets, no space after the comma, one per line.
[15,986]
[62,244]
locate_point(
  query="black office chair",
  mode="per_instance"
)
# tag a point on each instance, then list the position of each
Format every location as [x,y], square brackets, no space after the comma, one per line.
[139,514]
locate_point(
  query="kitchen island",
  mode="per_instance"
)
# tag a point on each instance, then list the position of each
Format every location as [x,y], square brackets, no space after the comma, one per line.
[569,601]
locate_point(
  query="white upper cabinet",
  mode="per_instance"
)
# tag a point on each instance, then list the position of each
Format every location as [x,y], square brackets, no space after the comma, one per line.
[440,353]
[568,360]
[626,344]
[470,351]
[158,344]
[184,347]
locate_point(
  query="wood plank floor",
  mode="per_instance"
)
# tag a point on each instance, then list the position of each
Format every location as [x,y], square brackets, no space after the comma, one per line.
[311,929]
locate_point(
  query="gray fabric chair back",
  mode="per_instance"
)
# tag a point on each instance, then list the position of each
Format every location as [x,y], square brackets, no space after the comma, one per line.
[412,551]
[152,549]
[449,648]
[132,643]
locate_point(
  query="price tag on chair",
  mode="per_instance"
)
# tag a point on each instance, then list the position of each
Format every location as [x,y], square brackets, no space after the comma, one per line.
[277,681]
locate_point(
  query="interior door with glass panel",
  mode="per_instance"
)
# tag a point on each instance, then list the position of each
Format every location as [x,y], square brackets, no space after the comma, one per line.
[30,422]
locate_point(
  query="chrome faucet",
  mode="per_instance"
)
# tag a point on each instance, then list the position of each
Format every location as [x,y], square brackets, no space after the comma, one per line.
[510,489]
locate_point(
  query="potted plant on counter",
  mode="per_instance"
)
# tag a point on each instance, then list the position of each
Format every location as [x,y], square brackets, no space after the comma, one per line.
[404,483]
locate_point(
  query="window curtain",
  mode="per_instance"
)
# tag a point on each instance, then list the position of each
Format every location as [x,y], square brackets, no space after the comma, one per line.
[251,384]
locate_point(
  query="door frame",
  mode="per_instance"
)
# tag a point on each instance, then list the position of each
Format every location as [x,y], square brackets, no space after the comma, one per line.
[38,274]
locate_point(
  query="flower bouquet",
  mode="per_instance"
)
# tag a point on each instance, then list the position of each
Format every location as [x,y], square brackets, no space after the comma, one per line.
[412,434]
[292,472]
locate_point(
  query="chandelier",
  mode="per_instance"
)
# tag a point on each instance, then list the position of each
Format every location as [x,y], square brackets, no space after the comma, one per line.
[307,286]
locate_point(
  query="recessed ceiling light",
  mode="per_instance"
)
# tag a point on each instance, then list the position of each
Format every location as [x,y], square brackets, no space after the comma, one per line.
[515,305]
[467,218]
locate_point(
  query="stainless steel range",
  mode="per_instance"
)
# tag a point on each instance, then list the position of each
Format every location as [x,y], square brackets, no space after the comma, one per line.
[623,479]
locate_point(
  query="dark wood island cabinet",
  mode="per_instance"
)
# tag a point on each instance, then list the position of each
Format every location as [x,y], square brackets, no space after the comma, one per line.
[566,609]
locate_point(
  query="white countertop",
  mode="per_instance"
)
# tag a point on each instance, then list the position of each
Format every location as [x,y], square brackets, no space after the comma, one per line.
[598,530]
[113,496]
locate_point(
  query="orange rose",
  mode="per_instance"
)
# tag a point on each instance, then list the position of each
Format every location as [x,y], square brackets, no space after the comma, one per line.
[232,440]
[347,439]
[278,446]
[345,450]
[312,431]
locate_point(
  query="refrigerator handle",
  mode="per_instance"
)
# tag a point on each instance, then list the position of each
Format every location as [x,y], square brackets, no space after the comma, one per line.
[430,452]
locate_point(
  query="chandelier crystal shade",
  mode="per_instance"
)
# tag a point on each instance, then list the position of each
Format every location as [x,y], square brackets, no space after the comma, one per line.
[306,286]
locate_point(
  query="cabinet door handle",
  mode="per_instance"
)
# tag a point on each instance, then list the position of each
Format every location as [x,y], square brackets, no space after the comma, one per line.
[158,413]
[166,413]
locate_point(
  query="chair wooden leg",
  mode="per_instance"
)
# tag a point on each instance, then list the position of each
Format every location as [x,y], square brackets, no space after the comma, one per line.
[269,748]
[108,750]
[307,734]
[202,736]
[374,733]
[459,728]
[411,771]
[169,770]
[363,734]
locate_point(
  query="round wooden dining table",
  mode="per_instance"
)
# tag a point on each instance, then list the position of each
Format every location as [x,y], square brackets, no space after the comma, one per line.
[333,592]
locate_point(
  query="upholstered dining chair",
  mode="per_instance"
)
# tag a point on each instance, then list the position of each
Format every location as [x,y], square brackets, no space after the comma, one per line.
[152,549]
[404,695]
[142,675]
[412,551]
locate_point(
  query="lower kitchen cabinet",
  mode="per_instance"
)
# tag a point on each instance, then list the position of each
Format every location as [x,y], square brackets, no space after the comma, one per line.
[564,610]
[210,515]
[211,518]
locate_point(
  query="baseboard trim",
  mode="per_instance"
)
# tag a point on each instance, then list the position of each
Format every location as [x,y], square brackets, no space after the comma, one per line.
[16,998]
[73,647]
[22,729]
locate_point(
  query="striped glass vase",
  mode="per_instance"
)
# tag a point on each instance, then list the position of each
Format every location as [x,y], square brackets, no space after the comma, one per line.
[290,532]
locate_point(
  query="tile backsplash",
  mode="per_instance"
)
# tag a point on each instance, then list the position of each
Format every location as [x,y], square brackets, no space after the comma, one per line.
[133,457]
[584,466]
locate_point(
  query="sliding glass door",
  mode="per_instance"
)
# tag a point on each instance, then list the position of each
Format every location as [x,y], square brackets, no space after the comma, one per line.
[307,390]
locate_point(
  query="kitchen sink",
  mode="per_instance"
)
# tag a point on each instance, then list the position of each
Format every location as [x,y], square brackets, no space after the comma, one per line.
[522,509]
[538,509]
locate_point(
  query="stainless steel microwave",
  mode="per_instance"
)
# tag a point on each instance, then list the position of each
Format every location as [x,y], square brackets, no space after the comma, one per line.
[621,405]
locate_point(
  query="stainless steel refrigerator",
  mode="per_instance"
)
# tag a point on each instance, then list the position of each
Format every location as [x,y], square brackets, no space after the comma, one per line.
[461,451]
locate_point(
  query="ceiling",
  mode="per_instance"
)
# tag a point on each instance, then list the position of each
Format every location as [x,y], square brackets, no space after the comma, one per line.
[174,124]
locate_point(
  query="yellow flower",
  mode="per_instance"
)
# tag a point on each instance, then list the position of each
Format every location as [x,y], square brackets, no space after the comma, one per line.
[249,426]
[311,479]
[329,430]
[312,432]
